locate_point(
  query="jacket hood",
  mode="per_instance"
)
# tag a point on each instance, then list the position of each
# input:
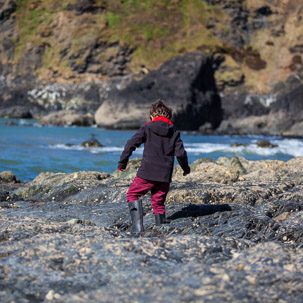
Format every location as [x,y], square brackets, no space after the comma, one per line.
[161,126]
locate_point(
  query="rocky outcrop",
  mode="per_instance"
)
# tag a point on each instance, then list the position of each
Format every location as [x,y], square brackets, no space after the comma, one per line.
[16,112]
[185,83]
[37,100]
[274,107]
[8,177]
[277,114]
[67,118]
[235,224]
[15,103]
[92,142]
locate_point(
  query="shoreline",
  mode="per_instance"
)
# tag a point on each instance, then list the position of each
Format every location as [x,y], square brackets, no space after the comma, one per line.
[193,132]
[27,151]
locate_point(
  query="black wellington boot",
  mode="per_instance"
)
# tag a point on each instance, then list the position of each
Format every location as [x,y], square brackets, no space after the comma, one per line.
[136,214]
[161,219]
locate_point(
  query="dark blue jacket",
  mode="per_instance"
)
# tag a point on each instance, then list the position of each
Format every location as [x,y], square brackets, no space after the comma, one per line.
[162,143]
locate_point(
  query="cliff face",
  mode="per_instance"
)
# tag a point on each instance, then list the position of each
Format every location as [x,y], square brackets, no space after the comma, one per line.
[50,48]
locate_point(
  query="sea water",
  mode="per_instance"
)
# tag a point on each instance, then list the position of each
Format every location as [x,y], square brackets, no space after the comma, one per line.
[28,149]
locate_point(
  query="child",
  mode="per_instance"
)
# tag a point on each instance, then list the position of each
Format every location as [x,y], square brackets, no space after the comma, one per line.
[161,143]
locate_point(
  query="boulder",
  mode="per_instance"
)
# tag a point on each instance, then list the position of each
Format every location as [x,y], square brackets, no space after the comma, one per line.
[8,177]
[236,144]
[60,186]
[186,83]
[296,130]
[93,142]
[15,102]
[266,144]
[66,118]
[16,112]
[280,123]
[131,169]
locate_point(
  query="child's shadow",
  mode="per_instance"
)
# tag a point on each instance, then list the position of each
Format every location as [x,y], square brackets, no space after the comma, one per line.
[196,210]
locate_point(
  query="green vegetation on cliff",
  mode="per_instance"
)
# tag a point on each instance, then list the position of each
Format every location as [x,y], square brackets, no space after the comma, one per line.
[161,30]
[154,30]
[81,40]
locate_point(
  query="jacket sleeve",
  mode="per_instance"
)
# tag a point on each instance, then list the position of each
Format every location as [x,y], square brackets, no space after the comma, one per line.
[134,142]
[181,155]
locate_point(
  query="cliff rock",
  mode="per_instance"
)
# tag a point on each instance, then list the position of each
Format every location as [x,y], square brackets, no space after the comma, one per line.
[90,54]
[186,83]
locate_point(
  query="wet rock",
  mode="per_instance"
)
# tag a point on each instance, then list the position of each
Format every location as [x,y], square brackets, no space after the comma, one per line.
[8,177]
[51,186]
[236,144]
[265,144]
[93,142]
[194,211]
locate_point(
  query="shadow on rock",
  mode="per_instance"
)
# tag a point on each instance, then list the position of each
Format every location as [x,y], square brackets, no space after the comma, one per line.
[194,210]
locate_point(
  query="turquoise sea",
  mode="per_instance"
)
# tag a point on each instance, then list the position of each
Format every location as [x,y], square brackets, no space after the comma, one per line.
[28,149]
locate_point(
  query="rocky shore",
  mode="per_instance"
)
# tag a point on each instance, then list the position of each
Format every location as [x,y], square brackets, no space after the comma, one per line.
[235,236]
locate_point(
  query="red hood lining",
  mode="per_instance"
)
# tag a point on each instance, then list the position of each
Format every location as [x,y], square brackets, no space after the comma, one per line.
[164,119]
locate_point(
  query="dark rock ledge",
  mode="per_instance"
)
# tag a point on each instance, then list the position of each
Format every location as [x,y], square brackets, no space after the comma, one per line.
[236,236]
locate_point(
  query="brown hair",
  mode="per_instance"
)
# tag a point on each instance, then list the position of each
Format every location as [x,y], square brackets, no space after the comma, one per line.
[159,109]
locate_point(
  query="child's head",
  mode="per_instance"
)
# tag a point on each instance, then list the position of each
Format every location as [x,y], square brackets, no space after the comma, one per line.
[159,109]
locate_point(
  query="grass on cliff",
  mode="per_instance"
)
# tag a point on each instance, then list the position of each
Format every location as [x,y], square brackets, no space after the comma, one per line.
[161,30]
[30,21]
[157,30]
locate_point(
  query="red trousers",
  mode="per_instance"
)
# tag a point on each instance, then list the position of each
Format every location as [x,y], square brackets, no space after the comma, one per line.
[159,191]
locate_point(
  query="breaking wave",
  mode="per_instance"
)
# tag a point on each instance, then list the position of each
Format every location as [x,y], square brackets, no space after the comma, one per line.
[291,147]
[93,150]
